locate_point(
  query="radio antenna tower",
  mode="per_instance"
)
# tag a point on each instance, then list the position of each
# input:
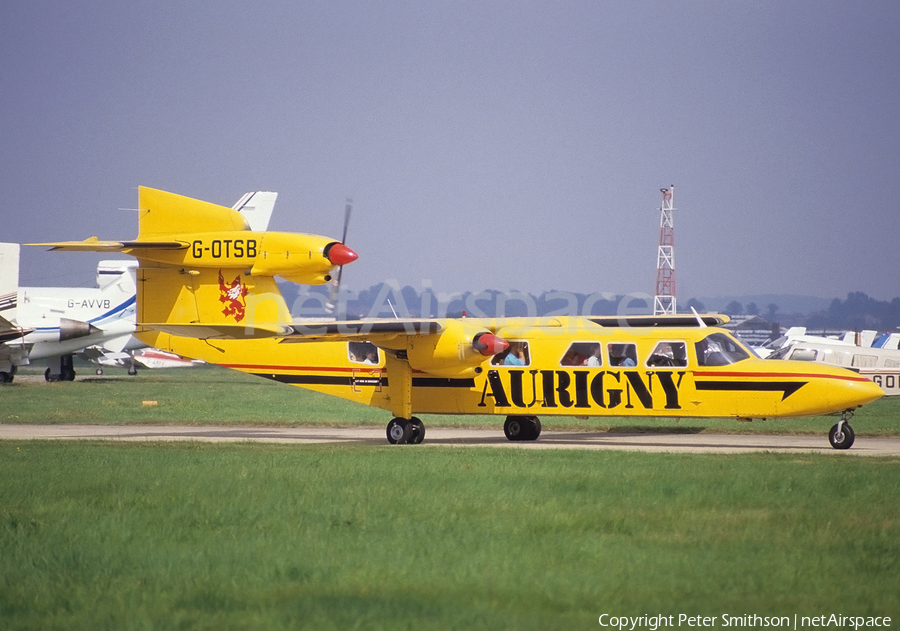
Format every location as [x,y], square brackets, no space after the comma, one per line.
[664,301]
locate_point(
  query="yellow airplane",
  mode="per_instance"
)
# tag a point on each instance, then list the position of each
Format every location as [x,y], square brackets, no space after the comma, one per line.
[520,368]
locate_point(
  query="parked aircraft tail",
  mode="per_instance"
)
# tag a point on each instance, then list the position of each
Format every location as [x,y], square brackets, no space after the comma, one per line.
[9,277]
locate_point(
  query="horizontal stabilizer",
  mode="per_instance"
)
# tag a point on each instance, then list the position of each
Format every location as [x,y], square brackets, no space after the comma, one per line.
[94,244]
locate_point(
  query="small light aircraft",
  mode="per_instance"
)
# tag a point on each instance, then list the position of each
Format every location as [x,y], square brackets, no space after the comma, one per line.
[197,300]
[873,356]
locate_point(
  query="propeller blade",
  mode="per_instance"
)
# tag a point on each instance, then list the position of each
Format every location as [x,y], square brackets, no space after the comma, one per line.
[347,211]
[340,255]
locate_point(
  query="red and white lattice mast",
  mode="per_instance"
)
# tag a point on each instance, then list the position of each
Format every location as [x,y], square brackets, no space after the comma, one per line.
[664,300]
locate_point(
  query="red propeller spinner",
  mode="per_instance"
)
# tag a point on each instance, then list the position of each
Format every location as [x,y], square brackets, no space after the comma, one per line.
[489,344]
[340,254]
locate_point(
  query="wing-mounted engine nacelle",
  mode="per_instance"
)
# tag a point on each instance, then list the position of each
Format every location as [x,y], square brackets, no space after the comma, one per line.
[72,329]
[456,352]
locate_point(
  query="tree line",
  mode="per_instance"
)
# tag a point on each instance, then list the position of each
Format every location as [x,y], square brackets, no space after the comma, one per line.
[856,312]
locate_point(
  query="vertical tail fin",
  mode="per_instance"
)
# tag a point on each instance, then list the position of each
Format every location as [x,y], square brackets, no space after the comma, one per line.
[209,304]
[9,279]
[162,213]
[257,209]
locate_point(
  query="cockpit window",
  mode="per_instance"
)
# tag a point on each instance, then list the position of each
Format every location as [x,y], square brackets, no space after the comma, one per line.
[673,354]
[719,349]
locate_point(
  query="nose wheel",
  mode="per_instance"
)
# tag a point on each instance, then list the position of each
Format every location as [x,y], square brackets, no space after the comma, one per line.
[841,435]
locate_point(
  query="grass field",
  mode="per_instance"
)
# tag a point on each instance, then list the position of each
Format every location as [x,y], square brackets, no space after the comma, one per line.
[209,394]
[199,536]
[250,536]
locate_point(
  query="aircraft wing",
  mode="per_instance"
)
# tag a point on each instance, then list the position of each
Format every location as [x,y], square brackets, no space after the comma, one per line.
[314,331]
[680,320]
[93,244]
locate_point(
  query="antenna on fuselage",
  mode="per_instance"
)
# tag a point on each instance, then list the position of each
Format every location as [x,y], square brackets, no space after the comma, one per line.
[700,321]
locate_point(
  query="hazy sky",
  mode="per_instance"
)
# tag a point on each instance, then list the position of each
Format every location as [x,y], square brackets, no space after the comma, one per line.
[508,145]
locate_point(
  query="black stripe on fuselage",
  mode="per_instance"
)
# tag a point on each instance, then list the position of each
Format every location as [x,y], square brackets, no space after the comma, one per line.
[787,388]
[332,380]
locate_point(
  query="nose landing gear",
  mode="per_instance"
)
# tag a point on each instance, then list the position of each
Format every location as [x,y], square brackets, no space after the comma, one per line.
[841,435]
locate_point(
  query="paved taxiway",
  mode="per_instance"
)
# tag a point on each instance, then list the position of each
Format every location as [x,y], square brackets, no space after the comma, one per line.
[658,442]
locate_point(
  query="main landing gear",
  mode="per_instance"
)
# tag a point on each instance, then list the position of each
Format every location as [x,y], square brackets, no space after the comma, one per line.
[7,377]
[522,427]
[841,435]
[411,431]
[61,369]
[402,431]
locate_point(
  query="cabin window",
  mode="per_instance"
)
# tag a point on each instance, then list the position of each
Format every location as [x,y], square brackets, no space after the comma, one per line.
[583,354]
[672,354]
[804,355]
[864,361]
[719,349]
[363,353]
[892,363]
[836,358]
[516,355]
[622,354]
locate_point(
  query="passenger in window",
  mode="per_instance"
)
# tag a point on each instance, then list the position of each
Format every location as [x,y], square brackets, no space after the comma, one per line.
[594,360]
[571,358]
[622,355]
[371,356]
[516,355]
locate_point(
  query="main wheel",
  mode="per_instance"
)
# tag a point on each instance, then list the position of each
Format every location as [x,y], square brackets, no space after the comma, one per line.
[533,427]
[515,428]
[417,431]
[843,439]
[398,431]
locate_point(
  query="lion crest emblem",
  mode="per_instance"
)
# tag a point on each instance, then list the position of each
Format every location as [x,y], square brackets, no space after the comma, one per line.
[232,296]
